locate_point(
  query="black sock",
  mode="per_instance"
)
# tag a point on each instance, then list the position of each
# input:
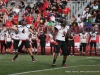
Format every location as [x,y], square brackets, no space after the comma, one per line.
[63,62]
[54,60]
[32,57]
[16,56]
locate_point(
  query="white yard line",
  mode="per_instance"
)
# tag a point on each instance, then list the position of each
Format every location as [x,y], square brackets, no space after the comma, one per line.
[50,69]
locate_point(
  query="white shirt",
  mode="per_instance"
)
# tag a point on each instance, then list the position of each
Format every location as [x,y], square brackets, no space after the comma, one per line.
[83,38]
[8,38]
[95,7]
[34,36]
[67,27]
[15,36]
[78,19]
[60,36]
[93,36]
[81,24]
[16,10]
[52,18]
[2,36]
[23,36]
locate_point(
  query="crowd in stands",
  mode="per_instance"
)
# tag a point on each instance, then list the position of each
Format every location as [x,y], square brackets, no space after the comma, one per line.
[42,15]
[45,14]
[89,19]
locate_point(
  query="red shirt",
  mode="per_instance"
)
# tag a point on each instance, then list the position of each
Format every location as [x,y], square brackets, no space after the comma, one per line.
[29,19]
[36,24]
[6,1]
[45,5]
[3,10]
[45,14]
[59,10]
[24,17]
[66,10]
[8,24]
[15,18]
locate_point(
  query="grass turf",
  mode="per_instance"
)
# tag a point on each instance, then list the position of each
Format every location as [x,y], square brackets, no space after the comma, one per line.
[77,65]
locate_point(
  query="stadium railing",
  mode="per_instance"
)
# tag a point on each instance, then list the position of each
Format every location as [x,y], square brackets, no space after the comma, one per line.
[77,7]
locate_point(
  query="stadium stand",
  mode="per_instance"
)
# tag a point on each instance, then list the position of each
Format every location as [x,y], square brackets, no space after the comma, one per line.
[42,11]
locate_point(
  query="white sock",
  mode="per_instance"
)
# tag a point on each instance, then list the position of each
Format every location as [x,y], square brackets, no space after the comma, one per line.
[32,49]
[36,50]
[59,54]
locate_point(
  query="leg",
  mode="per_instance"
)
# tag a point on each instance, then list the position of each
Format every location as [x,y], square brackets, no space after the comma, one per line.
[51,47]
[73,47]
[36,51]
[19,50]
[80,49]
[56,52]
[84,48]
[95,48]
[44,49]
[90,50]
[41,50]
[27,46]
[91,45]
[65,53]
[1,47]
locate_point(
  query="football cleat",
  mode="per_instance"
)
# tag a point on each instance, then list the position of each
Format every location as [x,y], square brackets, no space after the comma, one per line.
[64,65]
[13,59]
[33,60]
[53,64]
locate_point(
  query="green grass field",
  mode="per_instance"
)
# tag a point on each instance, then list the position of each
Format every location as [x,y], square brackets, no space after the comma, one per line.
[77,65]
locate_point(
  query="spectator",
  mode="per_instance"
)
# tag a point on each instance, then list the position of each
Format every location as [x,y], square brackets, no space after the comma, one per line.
[98,17]
[95,7]
[73,19]
[52,18]
[81,25]
[8,23]
[1,4]
[22,4]
[71,44]
[64,3]
[42,38]
[30,19]
[28,8]
[66,11]
[3,9]
[89,25]
[5,17]
[1,17]
[50,25]
[13,2]
[9,11]
[78,18]
[16,9]
[15,19]
[6,2]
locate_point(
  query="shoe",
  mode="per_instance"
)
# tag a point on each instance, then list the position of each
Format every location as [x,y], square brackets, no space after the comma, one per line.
[53,64]
[13,59]
[33,60]
[64,65]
